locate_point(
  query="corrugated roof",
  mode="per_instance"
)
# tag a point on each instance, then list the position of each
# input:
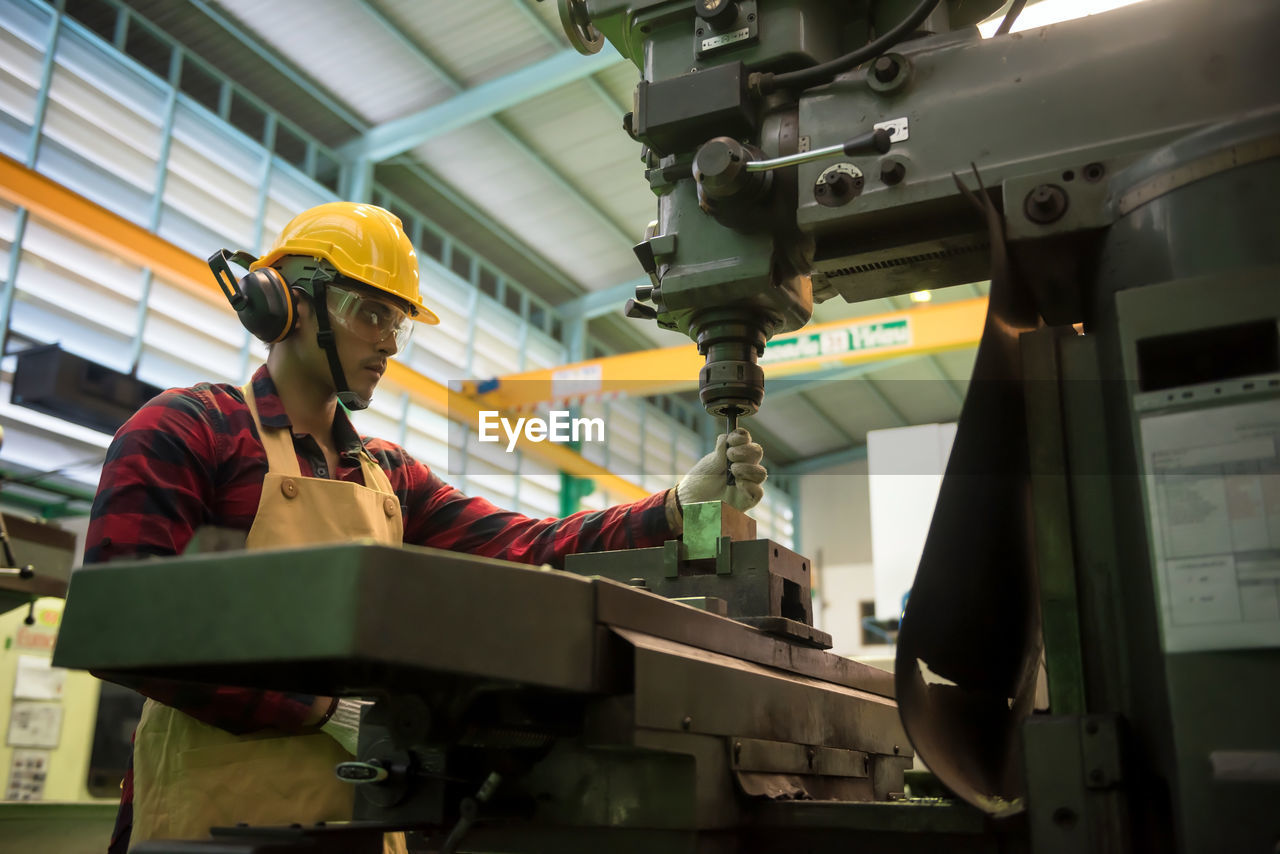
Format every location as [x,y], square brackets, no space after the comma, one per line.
[342,44]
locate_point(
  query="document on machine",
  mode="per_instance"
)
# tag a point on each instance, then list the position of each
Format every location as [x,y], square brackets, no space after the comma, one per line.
[1213,493]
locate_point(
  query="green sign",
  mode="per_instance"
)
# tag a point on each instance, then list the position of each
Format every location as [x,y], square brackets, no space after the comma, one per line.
[841,341]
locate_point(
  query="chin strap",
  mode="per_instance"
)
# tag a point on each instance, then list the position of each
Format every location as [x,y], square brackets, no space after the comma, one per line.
[324,337]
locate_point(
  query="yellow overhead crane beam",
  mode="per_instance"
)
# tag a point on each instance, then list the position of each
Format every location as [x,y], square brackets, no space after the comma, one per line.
[73,213]
[918,331]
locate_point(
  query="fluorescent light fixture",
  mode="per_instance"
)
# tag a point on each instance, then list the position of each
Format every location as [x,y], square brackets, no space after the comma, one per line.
[921,296]
[1046,12]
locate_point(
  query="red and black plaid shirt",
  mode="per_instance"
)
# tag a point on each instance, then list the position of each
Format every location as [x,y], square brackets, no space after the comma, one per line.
[192,457]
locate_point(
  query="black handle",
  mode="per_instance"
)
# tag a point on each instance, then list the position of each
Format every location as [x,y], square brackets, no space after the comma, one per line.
[874,142]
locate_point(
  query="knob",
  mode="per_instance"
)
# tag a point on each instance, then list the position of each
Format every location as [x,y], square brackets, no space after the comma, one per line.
[892,172]
[718,13]
[644,293]
[885,68]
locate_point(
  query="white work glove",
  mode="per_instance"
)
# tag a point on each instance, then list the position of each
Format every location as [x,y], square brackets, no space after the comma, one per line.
[343,725]
[706,480]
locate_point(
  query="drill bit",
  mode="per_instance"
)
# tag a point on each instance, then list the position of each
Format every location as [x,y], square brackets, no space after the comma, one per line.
[732,416]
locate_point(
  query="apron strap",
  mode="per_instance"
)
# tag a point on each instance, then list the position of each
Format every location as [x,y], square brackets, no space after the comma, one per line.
[276,441]
[283,459]
[374,476]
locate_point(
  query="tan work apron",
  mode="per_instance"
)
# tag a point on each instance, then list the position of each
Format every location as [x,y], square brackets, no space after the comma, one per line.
[189,776]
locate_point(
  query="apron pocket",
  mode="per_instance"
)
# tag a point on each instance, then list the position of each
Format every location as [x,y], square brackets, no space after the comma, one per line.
[260,781]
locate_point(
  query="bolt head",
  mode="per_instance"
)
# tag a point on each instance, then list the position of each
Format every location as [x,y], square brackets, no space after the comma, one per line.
[885,69]
[1045,204]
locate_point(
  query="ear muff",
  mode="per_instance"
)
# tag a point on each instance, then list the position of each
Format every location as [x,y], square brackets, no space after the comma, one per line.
[262,299]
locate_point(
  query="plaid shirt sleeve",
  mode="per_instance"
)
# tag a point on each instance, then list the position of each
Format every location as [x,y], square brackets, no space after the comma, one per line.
[440,516]
[158,485]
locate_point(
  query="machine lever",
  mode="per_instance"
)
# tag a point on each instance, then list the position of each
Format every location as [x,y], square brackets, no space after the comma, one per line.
[872,142]
[469,808]
[639,310]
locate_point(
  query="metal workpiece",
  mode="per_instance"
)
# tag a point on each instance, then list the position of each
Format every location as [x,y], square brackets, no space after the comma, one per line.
[707,523]
[758,580]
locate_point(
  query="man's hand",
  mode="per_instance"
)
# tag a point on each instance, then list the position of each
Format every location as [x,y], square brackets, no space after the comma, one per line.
[706,481]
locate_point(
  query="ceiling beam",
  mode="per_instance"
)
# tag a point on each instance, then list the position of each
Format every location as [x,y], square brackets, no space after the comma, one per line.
[479,102]
[810,465]
[599,303]
[879,395]
[777,388]
[557,38]
[947,382]
[831,424]
[379,16]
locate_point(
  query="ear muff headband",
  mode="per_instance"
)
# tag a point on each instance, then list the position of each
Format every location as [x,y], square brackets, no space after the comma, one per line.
[262,299]
[264,302]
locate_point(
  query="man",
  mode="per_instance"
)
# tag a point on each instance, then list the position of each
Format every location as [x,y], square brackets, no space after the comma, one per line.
[335,298]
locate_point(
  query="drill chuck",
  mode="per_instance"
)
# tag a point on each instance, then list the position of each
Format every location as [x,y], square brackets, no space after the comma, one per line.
[731,382]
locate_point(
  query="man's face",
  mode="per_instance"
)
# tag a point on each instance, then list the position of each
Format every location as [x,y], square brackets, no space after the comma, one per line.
[368,330]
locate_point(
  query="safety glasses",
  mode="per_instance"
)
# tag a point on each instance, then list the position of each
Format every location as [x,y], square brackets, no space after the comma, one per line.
[367,317]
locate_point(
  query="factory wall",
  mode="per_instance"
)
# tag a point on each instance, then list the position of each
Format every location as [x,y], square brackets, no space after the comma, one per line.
[835,531]
[865,524]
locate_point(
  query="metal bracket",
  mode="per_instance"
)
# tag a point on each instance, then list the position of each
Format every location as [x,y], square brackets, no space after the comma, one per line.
[744,30]
[1100,751]
[1068,759]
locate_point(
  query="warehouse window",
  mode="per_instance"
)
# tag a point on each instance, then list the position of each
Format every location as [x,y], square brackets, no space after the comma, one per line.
[147,48]
[431,244]
[290,146]
[537,315]
[460,263]
[98,15]
[488,282]
[200,85]
[248,117]
[511,298]
[328,171]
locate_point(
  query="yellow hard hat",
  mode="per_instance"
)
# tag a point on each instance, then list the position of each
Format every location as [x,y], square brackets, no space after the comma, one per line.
[363,242]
